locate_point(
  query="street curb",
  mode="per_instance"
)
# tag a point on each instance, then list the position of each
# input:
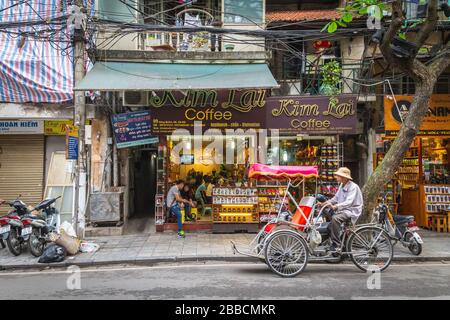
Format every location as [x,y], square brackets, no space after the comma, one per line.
[172,259]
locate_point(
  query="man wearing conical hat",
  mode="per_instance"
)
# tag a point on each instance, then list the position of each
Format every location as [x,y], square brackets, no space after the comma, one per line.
[347,204]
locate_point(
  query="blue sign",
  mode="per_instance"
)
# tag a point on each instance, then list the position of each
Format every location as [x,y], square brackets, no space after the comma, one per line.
[72,148]
[133,129]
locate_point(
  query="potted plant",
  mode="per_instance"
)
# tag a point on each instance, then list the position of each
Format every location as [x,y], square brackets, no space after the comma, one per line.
[331,78]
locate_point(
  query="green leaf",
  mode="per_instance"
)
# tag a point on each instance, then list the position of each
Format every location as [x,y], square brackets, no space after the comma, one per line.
[325,27]
[332,27]
[402,35]
[363,11]
[341,24]
[347,17]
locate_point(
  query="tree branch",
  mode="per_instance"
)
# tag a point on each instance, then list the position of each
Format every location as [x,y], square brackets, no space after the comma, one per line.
[394,27]
[439,65]
[430,24]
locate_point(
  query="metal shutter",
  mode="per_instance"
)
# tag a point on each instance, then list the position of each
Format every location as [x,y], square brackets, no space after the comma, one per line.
[22,167]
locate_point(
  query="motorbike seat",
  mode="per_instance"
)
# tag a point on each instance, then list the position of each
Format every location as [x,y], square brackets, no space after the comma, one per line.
[399,219]
[323,228]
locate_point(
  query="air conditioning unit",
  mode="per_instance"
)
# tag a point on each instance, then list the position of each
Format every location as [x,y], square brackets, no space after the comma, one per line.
[135,98]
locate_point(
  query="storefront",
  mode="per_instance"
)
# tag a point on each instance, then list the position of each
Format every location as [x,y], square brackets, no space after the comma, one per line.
[293,130]
[22,149]
[421,186]
[212,121]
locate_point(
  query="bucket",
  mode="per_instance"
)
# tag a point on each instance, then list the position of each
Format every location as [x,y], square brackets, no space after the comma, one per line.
[305,205]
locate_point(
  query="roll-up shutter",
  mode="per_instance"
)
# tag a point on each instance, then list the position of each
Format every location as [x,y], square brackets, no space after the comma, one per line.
[22,167]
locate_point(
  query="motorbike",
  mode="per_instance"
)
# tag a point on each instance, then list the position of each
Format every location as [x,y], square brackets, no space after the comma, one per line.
[17,226]
[400,228]
[42,226]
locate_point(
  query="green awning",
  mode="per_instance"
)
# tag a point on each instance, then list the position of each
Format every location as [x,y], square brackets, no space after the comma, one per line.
[118,76]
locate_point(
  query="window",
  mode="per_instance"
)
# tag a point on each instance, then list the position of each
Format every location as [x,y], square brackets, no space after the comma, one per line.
[243,11]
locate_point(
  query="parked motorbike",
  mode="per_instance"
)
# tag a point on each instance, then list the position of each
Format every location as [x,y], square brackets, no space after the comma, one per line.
[399,228]
[43,225]
[19,228]
[4,228]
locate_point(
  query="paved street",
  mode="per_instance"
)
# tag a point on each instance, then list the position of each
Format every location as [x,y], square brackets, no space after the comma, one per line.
[154,247]
[230,281]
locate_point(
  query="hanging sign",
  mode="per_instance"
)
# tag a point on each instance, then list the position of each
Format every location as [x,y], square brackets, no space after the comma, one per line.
[21,127]
[312,114]
[133,129]
[435,123]
[71,142]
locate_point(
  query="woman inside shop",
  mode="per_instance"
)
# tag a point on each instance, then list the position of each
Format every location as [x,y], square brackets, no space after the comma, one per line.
[187,194]
[200,193]
[209,189]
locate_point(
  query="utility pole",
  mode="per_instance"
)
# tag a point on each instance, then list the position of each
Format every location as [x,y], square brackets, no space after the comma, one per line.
[80,122]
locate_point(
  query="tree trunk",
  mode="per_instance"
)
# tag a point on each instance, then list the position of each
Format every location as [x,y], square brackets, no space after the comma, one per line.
[394,157]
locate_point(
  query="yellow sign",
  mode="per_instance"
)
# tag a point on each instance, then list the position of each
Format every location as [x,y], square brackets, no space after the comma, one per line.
[435,123]
[56,127]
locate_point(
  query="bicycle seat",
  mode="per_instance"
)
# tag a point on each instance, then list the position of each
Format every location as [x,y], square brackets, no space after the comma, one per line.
[399,219]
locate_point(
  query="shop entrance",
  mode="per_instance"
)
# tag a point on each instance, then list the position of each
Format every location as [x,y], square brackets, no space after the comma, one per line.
[142,219]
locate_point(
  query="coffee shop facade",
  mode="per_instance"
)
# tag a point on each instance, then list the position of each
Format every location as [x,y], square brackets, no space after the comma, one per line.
[217,122]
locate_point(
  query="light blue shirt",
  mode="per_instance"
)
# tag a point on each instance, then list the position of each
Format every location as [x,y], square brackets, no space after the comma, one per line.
[349,200]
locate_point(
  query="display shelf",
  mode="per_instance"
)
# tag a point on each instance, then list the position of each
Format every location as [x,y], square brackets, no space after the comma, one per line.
[235,205]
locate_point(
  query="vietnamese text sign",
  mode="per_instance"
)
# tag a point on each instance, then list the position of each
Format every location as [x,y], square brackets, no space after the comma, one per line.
[58,127]
[71,142]
[133,129]
[312,114]
[436,122]
[233,109]
[21,127]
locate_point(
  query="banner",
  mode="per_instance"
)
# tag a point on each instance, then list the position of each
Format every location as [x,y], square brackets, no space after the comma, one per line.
[133,129]
[435,123]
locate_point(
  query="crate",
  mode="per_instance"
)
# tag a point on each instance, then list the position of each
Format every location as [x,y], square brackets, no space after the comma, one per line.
[439,222]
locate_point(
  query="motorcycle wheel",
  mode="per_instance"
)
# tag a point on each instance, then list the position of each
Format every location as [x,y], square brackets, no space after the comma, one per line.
[13,242]
[413,246]
[35,244]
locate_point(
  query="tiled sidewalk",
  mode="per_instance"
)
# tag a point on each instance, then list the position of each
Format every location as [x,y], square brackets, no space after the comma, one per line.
[166,247]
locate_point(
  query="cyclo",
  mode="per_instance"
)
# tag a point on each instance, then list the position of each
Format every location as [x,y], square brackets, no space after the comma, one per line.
[288,242]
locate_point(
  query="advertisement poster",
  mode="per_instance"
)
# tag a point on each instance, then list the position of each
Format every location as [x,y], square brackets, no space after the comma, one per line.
[435,123]
[71,142]
[133,129]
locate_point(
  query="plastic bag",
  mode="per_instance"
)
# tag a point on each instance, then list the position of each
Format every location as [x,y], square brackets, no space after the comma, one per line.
[68,229]
[53,253]
[71,244]
[89,247]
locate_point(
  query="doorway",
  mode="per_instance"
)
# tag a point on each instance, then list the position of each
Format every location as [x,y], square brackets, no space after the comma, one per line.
[142,219]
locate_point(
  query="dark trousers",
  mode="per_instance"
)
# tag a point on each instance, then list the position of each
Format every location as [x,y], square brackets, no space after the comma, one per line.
[335,227]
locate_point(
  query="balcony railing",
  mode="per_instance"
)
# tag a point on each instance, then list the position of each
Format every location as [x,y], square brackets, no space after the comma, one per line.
[178,41]
[311,81]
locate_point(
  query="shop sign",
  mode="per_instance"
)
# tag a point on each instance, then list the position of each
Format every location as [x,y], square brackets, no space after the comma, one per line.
[58,127]
[21,127]
[312,114]
[133,129]
[232,109]
[435,123]
[71,142]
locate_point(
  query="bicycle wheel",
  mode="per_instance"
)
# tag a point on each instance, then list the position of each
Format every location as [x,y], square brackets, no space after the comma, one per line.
[286,253]
[370,249]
